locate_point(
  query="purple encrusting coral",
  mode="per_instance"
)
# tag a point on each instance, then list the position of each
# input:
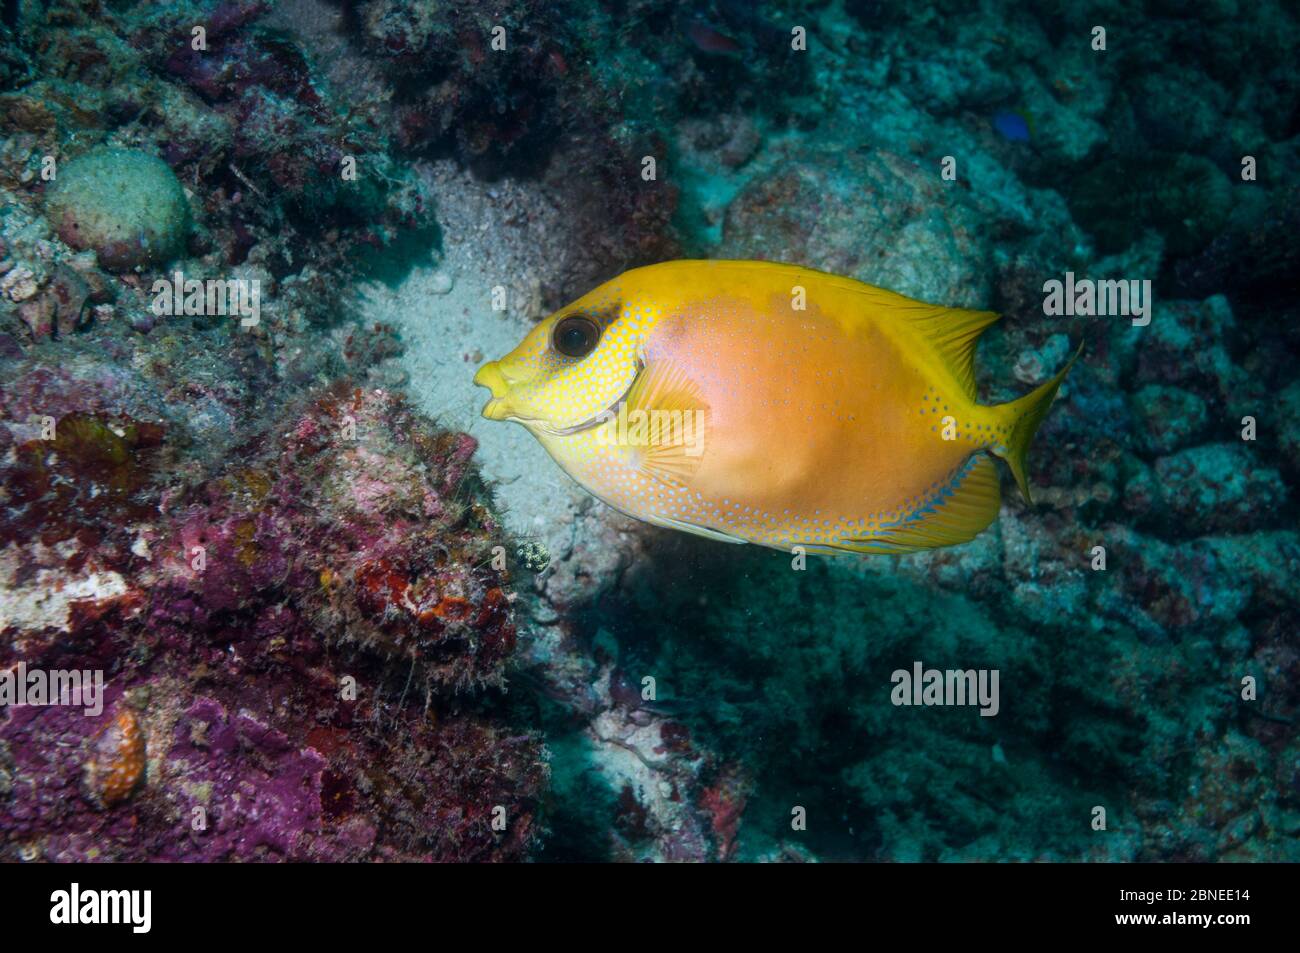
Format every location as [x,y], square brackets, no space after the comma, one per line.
[293,637]
[374,543]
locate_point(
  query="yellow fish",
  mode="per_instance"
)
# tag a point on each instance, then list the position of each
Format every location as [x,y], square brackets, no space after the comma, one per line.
[757,402]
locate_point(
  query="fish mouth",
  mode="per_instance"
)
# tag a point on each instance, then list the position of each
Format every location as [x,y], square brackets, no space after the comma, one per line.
[595,420]
[498,407]
[490,376]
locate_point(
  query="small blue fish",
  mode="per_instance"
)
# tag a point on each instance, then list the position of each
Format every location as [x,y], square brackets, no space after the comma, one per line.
[1012,126]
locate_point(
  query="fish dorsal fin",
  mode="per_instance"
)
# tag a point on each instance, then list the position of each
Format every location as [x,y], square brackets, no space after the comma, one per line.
[952,332]
[670,438]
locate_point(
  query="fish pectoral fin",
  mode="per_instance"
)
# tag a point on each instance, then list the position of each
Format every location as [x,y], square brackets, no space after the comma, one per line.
[958,513]
[667,418]
[717,535]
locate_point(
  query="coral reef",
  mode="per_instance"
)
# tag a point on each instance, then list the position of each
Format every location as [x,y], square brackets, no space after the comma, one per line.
[238,615]
[309,576]
[294,636]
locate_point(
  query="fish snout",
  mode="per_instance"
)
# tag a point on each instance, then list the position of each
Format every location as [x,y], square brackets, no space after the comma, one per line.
[490,376]
[494,379]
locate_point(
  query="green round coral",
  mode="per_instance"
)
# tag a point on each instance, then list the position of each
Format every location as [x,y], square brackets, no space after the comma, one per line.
[126,205]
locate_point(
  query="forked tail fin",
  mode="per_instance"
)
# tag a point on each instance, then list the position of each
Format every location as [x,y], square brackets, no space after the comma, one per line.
[1022,418]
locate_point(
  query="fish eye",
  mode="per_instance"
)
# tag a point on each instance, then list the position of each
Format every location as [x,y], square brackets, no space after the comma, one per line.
[575,336]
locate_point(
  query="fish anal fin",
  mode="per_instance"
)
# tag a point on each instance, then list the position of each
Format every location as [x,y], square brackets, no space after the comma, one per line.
[957,514]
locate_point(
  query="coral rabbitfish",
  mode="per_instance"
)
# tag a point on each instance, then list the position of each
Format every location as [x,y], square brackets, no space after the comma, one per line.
[751,401]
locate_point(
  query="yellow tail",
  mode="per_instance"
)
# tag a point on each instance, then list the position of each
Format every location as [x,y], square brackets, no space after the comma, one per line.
[1022,418]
